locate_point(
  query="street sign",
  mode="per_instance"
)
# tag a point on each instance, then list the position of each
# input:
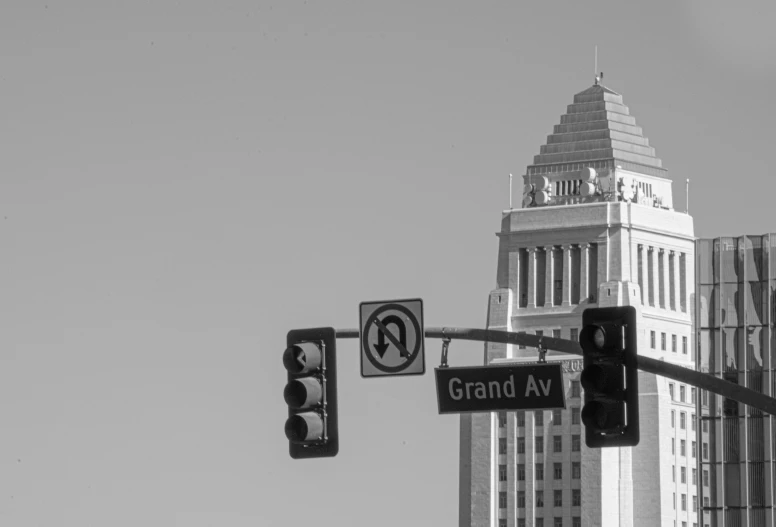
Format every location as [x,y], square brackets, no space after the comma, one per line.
[492,388]
[391,335]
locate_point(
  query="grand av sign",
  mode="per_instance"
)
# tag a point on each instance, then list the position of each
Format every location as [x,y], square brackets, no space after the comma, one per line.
[492,388]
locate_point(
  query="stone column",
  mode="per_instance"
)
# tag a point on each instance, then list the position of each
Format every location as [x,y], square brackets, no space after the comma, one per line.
[584,286]
[654,284]
[531,277]
[666,285]
[566,275]
[514,278]
[643,275]
[677,281]
[549,279]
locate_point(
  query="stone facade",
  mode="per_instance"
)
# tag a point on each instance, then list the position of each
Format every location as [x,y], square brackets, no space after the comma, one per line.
[597,229]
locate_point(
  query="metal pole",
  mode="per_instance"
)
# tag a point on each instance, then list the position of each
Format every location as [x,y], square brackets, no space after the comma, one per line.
[510,191]
[687,208]
[658,367]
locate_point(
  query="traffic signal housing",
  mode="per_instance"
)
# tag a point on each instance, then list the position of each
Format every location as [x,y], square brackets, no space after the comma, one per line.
[310,360]
[610,377]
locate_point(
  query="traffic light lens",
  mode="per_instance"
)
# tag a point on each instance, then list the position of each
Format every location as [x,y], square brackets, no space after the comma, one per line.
[602,417]
[302,358]
[304,427]
[602,378]
[599,337]
[303,393]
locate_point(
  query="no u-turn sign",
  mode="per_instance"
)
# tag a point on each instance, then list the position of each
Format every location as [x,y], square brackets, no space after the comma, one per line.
[391,335]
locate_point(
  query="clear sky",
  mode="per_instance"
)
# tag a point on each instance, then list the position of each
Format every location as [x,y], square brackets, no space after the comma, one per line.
[182,183]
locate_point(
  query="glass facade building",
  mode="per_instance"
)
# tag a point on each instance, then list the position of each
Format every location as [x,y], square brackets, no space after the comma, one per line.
[735,316]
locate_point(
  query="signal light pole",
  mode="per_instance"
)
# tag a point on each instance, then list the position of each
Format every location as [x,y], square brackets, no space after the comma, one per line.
[610,377]
[311,393]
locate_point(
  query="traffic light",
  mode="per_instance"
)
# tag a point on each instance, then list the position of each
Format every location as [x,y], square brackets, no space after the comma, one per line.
[610,377]
[311,393]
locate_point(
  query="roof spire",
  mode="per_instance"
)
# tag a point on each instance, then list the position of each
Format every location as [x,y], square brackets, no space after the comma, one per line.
[598,76]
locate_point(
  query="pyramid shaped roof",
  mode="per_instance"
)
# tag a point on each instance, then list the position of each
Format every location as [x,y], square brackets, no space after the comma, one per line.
[597,131]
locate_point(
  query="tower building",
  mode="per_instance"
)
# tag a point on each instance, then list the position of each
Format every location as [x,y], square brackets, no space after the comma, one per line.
[597,228]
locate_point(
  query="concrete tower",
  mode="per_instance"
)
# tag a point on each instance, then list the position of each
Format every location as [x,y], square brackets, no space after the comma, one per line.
[597,229]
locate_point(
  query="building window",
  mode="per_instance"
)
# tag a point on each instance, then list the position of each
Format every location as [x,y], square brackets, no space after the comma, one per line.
[705,398]
[673,418]
[694,476]
[539,471]
[693,449]
[558,522]
[674,500]
[673,343]
[574,334]
[539,417]
[695,503]
[502,500]
[682,391]
[557,470]
[521,499]
[692,422]
[502,446]
[682,420]
[558,498]
[502,419]
[576,521]
[556,444]
[671,390]
[652,339]
[705,478]
[502,472]
[520,418]
[682,447]
[520,522]
[576,498]
[683,473]
[706,502]
[502,522]
[575,443]
[684,502]
[575,389]
[539,498]
[663,341]
[693,393]
[705,425]
[673,473]
[556,333]
[705,450]
[521,445]
[684,345]
[673,445]
[557,417]
[575,415]
[521,472]
[576,470]
[539,444]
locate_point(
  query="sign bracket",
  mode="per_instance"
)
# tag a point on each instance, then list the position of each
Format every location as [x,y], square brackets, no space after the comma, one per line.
[445,347]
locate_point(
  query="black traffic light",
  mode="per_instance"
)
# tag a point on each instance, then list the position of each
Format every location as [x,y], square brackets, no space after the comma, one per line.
[311,393]
[610,377]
